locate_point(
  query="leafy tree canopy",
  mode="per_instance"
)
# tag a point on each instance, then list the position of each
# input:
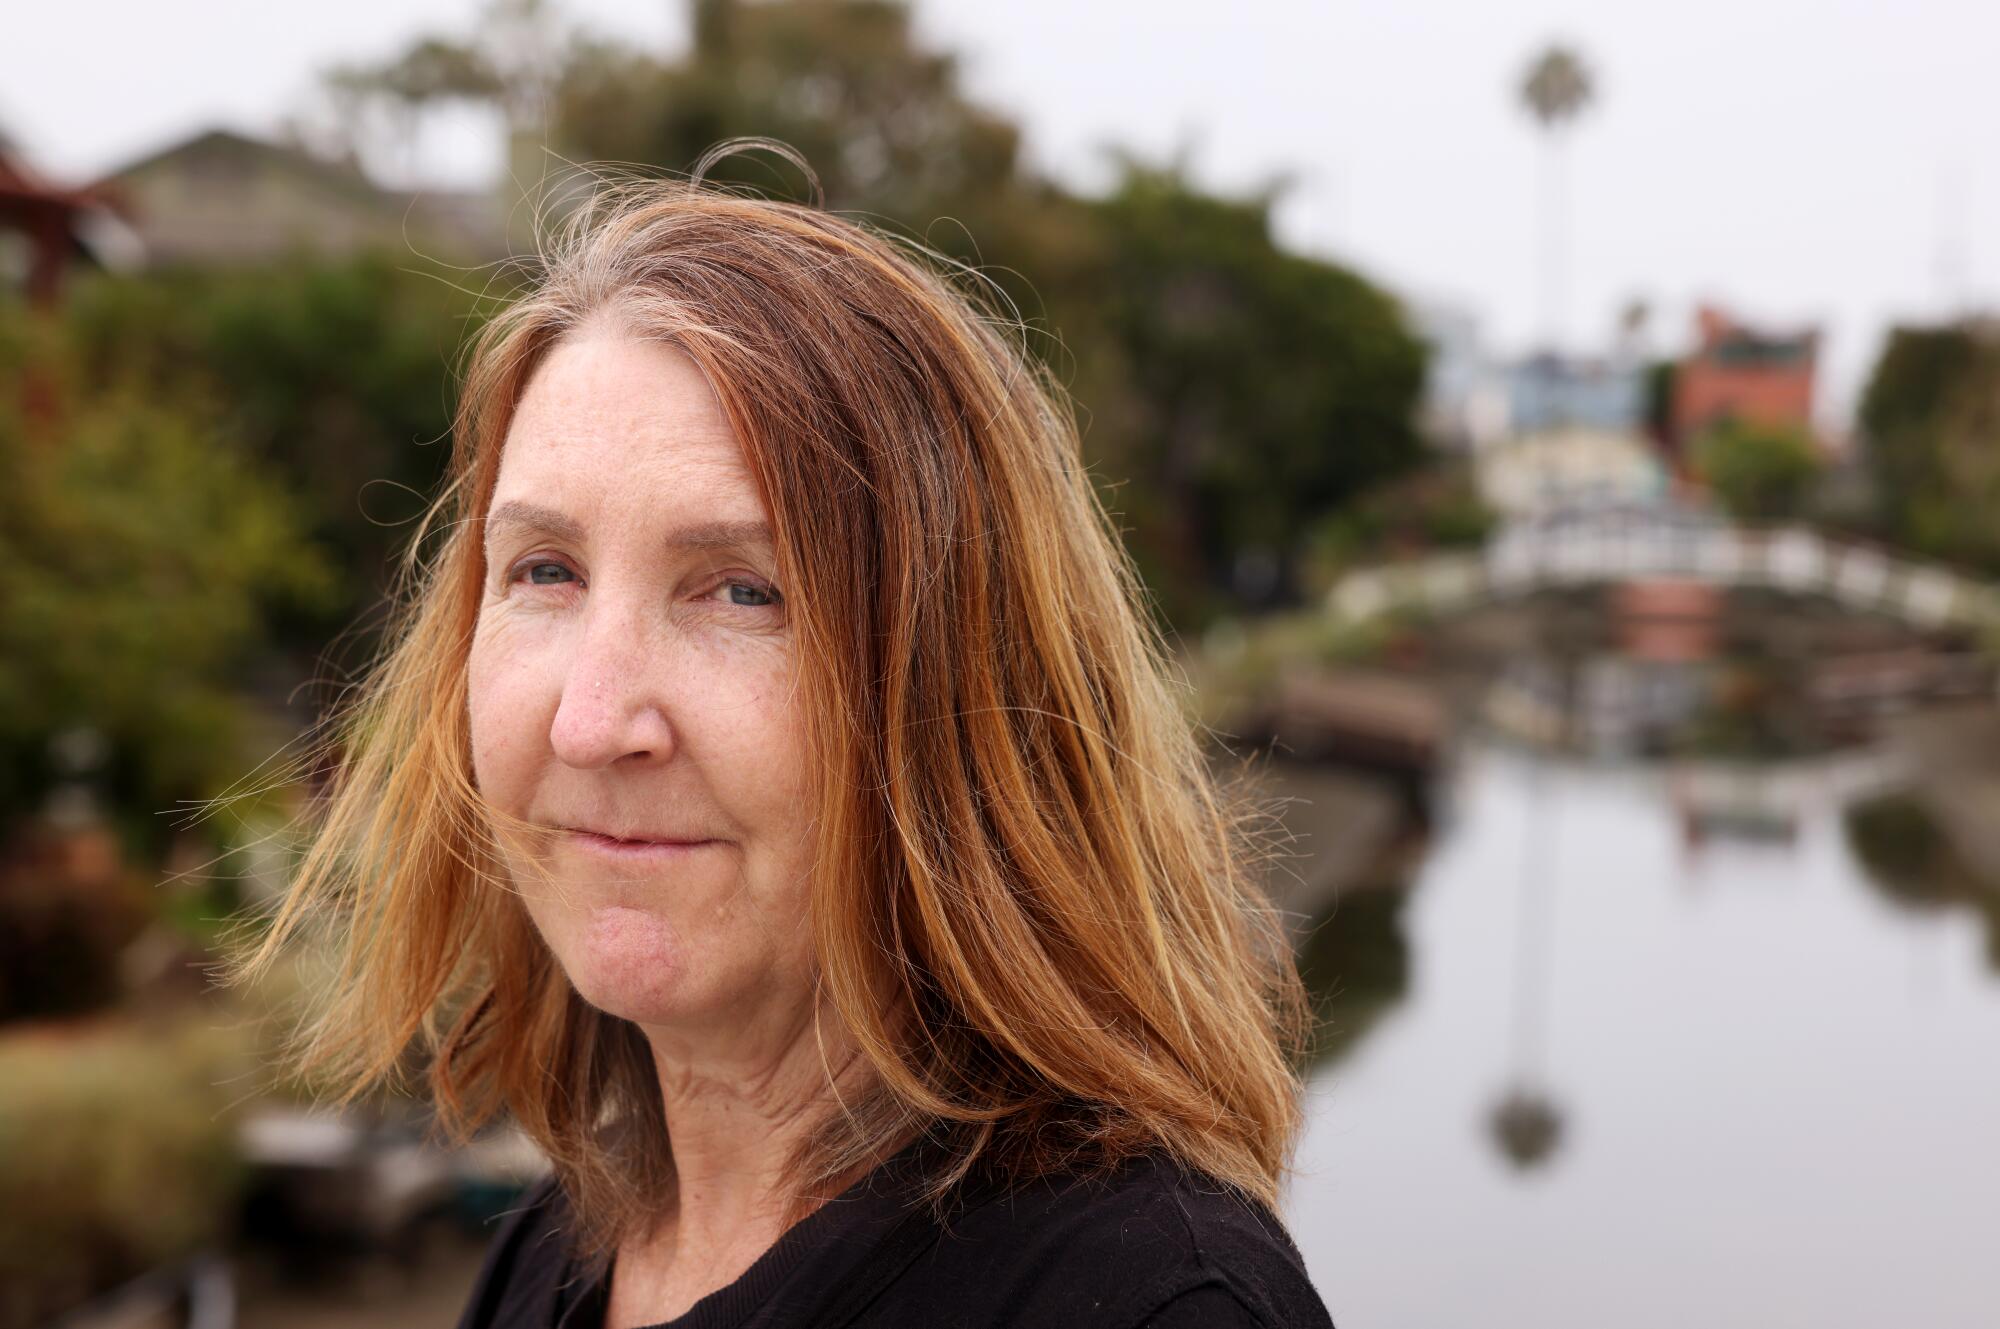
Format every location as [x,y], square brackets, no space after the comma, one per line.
[1760,473]
[1930,421]
[1232,392]
[172,544]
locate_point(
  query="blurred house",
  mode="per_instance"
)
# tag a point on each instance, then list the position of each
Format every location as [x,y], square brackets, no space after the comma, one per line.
[1574,436]
[1548,392]
[1571,466]
[222,198]
[47,228]
[1475,402]
[1735,373]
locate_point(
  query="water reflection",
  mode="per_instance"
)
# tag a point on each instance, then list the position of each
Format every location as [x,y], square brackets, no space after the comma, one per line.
[1526,1123]
[1915,865]
[1357,964]
[1760,1088]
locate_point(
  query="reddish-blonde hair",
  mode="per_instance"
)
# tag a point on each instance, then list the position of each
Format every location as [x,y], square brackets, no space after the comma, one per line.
[1036,908]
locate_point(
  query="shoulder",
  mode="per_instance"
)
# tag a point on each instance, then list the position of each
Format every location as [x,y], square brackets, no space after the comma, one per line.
[1151,1243]
[525,1265]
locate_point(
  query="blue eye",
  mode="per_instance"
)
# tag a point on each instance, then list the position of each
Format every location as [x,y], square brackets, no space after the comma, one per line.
[536,568]
[769,594]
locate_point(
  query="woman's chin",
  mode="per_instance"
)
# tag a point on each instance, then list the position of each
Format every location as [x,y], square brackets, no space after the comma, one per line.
[630,963]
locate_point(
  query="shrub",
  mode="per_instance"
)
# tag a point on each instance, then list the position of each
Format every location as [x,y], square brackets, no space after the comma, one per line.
[1759,473]
[117,1153]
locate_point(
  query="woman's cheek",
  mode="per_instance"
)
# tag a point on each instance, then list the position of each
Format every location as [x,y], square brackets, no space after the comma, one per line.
[771,746]
[503,678]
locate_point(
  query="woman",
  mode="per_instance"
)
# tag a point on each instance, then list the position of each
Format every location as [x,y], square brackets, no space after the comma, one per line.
[776,801]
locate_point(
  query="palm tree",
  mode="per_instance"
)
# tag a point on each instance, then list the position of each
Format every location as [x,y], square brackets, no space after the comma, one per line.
[1556,89]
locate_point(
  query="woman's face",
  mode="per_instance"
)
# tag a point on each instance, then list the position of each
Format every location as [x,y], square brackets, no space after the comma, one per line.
[631,675]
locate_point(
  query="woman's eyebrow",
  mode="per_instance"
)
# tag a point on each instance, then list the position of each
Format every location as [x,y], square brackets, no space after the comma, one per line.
[699,535]
[535,518]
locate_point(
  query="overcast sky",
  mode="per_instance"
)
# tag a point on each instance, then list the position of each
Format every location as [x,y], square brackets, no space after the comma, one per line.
[1817,161]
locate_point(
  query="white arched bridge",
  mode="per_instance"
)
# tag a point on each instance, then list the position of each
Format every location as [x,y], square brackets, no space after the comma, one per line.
[1596,545]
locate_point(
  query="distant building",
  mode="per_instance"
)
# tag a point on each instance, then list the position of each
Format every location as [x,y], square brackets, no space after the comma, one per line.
[1737,374]
[1570,466]
[1543,432]
[224,198]
[1549,392]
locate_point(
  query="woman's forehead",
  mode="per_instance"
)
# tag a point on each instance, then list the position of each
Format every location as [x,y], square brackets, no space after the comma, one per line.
[609,380]
[617,410]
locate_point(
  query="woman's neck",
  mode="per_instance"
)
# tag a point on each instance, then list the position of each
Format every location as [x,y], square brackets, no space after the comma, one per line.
[738,1106]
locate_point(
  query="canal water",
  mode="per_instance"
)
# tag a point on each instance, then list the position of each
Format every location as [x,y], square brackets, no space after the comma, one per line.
[1664,1057]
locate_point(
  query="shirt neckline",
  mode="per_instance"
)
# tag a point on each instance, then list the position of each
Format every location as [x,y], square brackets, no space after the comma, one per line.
[857,1217]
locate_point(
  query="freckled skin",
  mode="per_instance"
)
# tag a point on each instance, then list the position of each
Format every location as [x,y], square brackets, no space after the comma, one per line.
[630,685]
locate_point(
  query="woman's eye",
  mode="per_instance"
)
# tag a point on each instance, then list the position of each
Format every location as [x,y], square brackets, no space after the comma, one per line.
[536,573]
[750,594]
[742,593]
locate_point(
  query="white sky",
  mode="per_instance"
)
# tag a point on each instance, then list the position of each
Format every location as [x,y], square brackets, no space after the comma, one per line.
[1803,160]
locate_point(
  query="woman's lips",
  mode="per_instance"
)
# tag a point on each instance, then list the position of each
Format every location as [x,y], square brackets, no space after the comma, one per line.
[629,851]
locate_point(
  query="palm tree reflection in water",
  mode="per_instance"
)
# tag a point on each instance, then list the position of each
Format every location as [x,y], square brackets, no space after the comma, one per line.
[1526,1123]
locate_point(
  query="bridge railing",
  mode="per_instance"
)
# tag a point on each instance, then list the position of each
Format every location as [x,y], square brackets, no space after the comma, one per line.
[1527,557]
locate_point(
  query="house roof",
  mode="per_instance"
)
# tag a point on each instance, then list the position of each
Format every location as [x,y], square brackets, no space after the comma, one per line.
[223,196]
[223,143]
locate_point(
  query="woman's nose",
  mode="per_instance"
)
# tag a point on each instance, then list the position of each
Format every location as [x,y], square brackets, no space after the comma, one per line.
[610,709]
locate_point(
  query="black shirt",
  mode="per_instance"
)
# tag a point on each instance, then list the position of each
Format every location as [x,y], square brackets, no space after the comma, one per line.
[1152,1246]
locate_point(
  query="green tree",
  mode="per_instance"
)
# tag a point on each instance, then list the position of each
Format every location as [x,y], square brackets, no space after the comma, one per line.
[332,376]
[1231,392]
[1930,426]
[1266,389]
[880,118]
[508,61]
[1760,473]
[889,134]
[1436,508]
[148,550]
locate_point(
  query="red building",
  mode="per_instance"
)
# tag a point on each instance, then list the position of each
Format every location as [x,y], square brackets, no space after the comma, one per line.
[1737,374]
